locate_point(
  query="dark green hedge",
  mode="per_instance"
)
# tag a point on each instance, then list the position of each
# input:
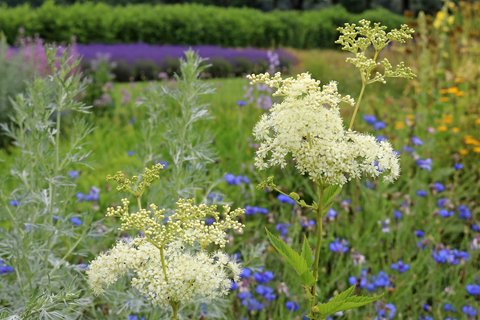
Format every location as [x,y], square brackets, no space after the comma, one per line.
[184,24]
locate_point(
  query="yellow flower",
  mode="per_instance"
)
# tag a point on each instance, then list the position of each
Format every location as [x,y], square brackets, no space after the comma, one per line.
[399,125]
[460,94]
[471,140]
[477,121]
[455,130]
[463,152]
[451,20]
[442,128]
[447,119]
[453,90]
[444,99]
[476,149]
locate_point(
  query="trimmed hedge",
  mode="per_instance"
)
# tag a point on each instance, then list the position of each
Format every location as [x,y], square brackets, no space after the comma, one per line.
[184,24]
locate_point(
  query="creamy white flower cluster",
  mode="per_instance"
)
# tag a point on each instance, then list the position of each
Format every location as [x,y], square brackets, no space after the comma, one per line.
[186,223]
[307,126]
[189,275]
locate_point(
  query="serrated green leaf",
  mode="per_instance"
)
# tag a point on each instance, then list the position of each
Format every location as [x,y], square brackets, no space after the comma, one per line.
[344,295]
[307,253]
[296,261]
[337,305]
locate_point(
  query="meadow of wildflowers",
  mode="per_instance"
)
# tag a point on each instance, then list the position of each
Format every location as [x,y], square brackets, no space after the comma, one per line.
[273,197]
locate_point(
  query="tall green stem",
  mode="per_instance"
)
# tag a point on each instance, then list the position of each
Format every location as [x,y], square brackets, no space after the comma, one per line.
[357,105]
[174,306]
[318,246]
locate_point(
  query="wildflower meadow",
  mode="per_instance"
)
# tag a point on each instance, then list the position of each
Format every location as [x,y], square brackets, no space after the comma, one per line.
[272,161]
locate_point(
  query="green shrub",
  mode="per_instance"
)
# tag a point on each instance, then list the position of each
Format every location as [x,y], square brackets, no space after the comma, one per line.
[190,24]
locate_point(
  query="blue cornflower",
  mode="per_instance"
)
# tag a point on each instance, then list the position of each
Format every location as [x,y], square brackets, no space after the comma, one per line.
[464,212]
[14,203]
[246,273]
[252,304]
[263,277]
[230,178]
[233,286]
[408,149]
[379,125]
[442,202]
[385,312]
[400,266]
[437,186]
[475,227]
[130,153]
[452,257]
[244,295]
[397,214]
[419,233]
[263,290]
[370,119]
[331,213]
[135,317]
[445,213]
[381,138]
[425,318]
[5,269]
[241,103]
[416,141]
[422,193]
[426,307]
[382,280]
[74,174]
[76,221]
[473,289]
[251,210]
[458,166]
[292,306]
[338,246]
[282,228]
[425,164]
[164,164]
[449,308]
[469,311]
[285,199]
[215,197]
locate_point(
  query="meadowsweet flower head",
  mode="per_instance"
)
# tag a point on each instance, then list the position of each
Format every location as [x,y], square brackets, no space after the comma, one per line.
[307,126]
[189,275]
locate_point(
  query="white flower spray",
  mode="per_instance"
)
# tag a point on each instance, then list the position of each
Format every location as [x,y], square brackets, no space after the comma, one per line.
[306,127]
[171,264]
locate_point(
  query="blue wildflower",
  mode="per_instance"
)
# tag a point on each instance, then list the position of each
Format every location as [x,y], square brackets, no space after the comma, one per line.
[438,187]
[230,178]
[214,197]
[285,199]
[422,193]
[5,269]
[385,312]
[475,227]
[338,246]
[426,307]
[473,289]
[408,149]
[370,119]
[164,164]
[292,306]
[14,203]
[464,212]
[442,202]
[74,174]
[425,164]
[246,273]
[251,210]
[209,221]
[233,286]
[381,138]
[449,308]
[416,141]
[469,311]
[135,317]
[241,103]
[397,214]
[445,213]
[130,153]
[382,280]
[458,166]
[379,125]
[400,266]
[331,214]
[263,277]
[419,233]
[76,221]
[282,228]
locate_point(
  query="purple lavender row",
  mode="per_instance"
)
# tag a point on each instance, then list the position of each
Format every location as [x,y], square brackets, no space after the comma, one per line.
[132,53]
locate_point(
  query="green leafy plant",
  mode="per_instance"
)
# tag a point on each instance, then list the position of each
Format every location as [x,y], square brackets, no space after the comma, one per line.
[307,127]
